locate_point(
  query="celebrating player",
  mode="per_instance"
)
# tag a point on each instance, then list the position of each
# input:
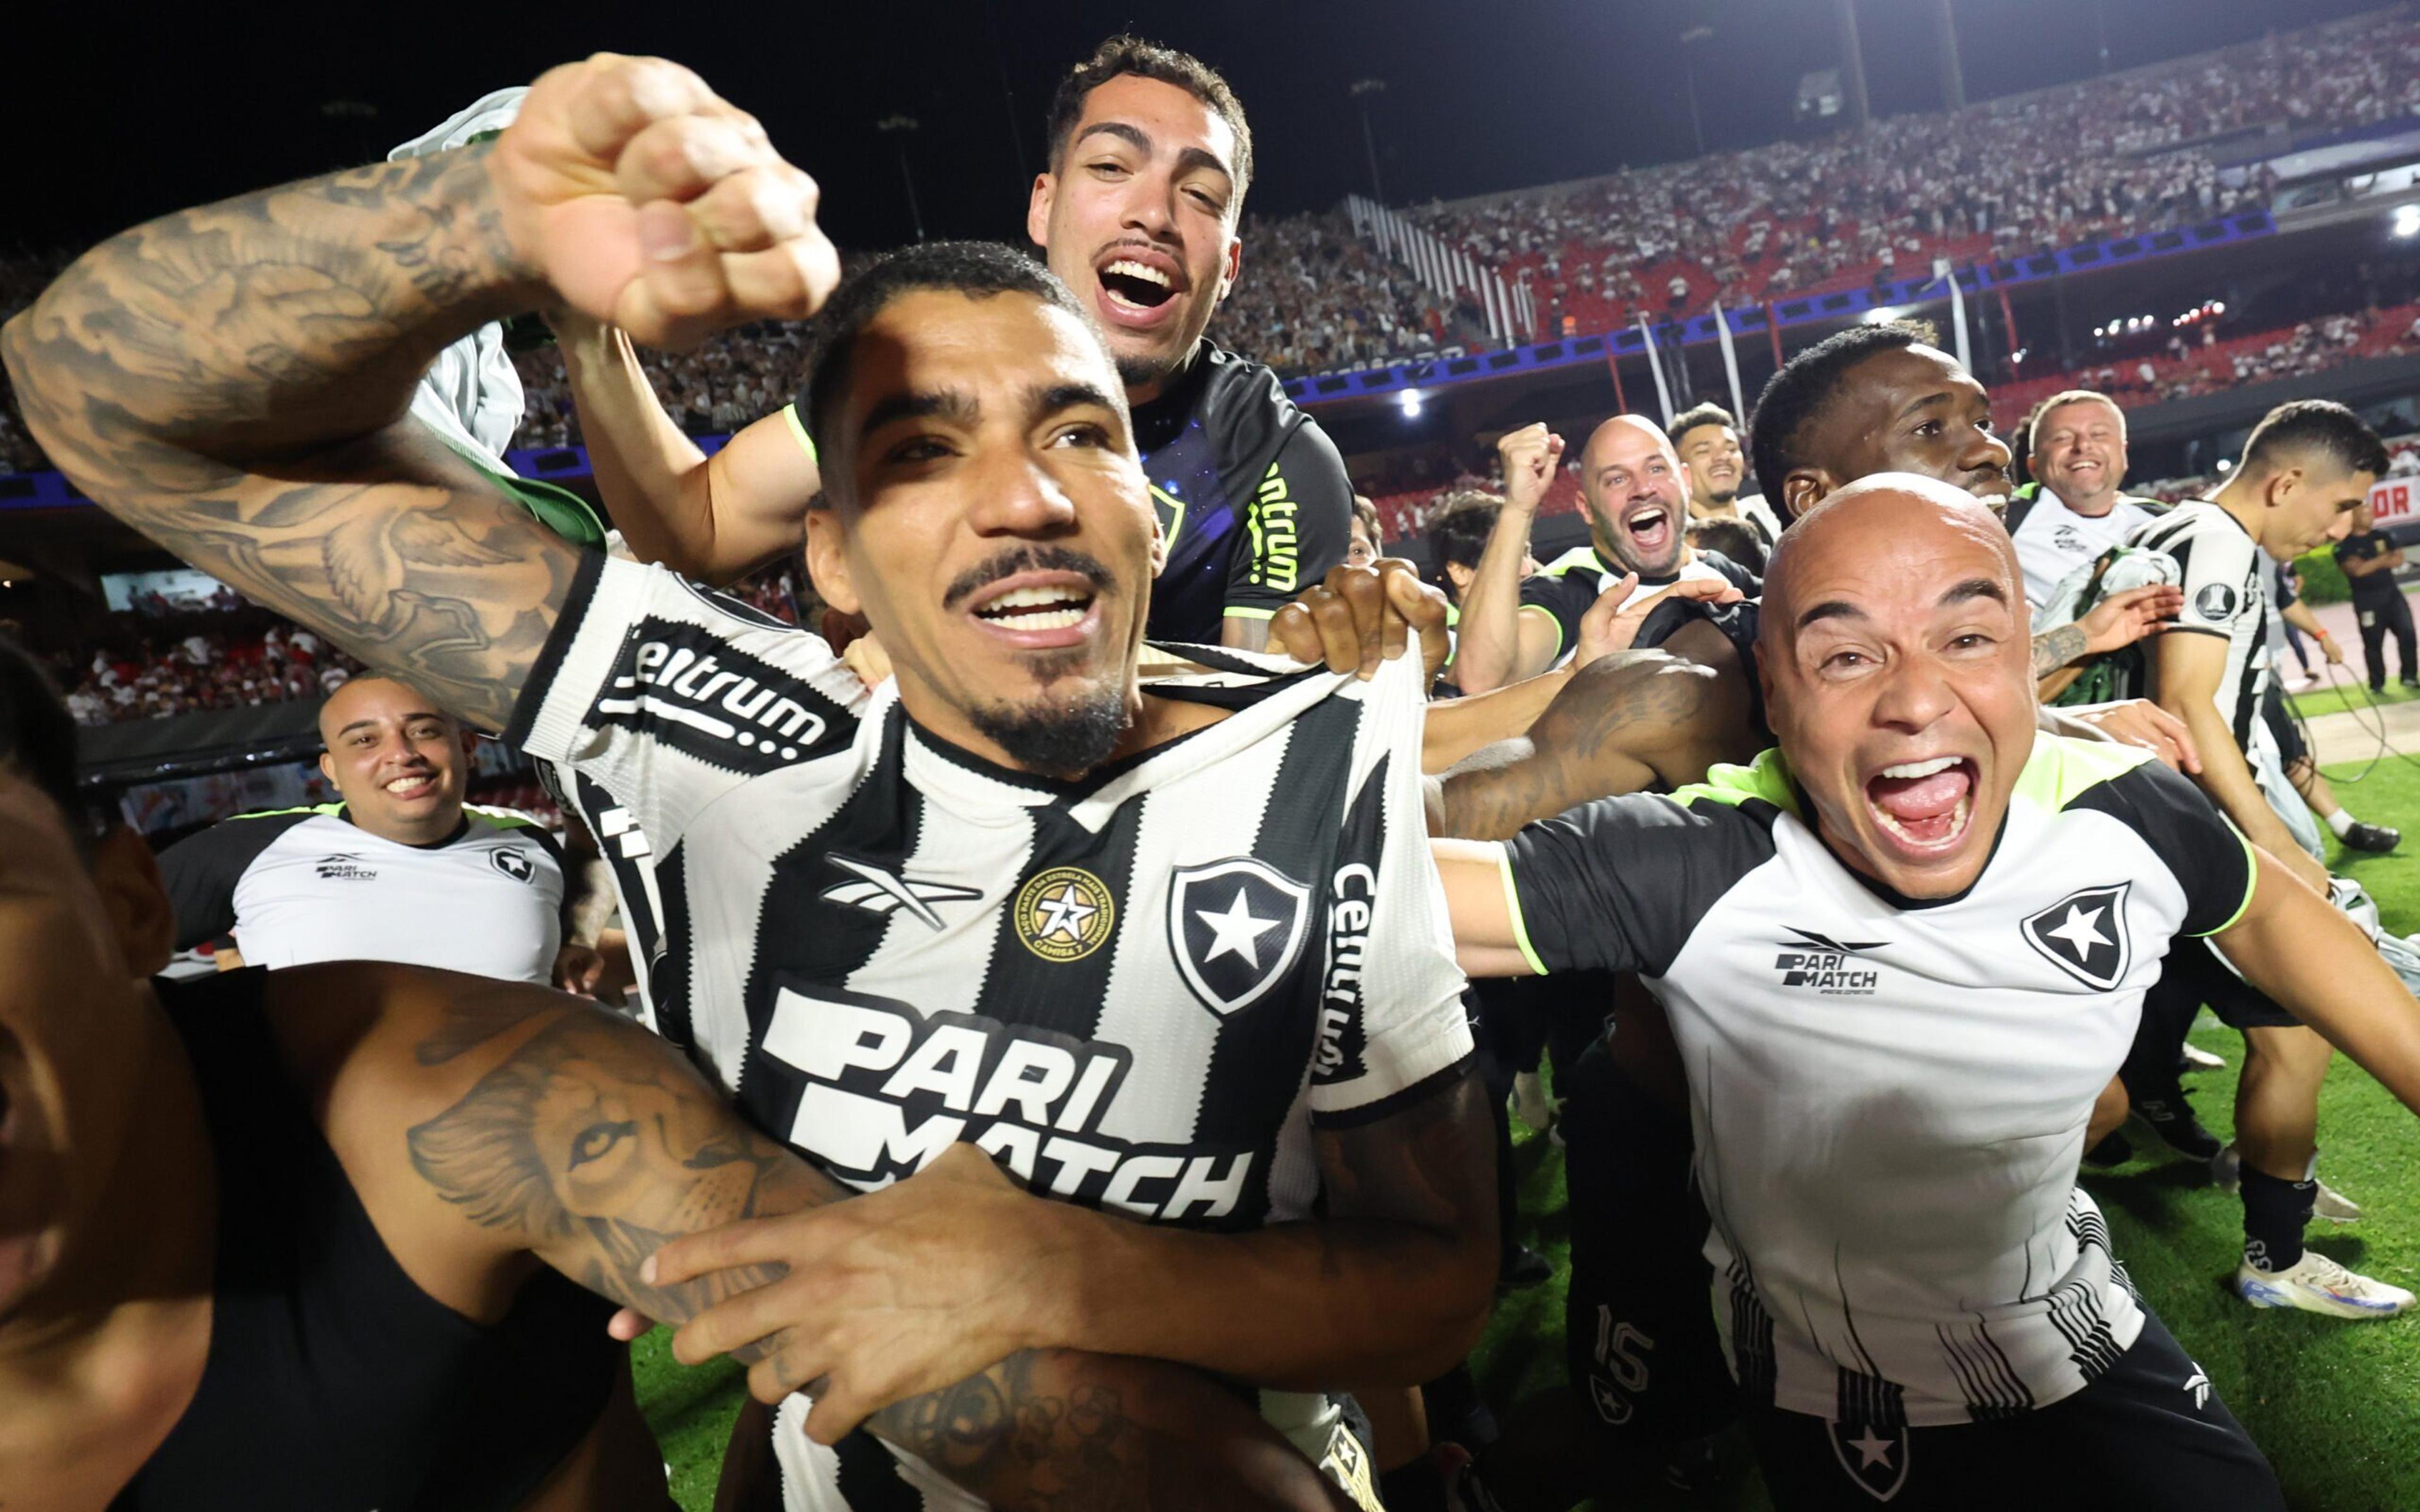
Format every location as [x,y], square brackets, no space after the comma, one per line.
[981,908]
[1139,213]
[277,1240]
[1920,1306]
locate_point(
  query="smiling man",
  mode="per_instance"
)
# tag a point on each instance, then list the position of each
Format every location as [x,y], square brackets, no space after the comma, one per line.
[1139,214]
[1636,494]
[1708,441]
[2074,509]
[399,869]
[1902,955]
[1222,1066]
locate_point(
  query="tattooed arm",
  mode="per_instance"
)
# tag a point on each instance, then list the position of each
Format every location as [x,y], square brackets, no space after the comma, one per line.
[1624,722]
[537,1127]
[232,380]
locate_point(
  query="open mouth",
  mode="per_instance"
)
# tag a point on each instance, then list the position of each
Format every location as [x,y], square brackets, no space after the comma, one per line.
[411,786]
[1925,805]
[1650,527]
[1138,286]
[1039,612]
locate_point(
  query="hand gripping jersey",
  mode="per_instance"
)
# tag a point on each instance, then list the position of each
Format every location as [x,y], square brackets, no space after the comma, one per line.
[1889,1097]
[2054,540]
[1140,991]
[1252,495]
[1566,588]
[304,884]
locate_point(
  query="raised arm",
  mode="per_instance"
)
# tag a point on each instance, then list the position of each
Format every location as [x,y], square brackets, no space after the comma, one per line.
[714,519]
[233,381]
[542,1128]
[1497,643]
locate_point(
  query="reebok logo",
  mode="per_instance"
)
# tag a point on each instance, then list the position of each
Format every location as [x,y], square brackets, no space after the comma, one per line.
[687,686]
[879,890]
[1818,963]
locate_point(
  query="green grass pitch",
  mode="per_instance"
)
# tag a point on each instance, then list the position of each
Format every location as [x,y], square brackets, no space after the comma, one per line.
[2336,1405]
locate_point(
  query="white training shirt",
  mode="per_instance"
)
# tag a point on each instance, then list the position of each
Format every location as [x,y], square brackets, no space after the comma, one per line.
[1889,1096]
[304,884]
[2224,574]
[2054,540]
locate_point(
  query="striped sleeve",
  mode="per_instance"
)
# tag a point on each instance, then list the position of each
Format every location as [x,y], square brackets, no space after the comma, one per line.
[668,696]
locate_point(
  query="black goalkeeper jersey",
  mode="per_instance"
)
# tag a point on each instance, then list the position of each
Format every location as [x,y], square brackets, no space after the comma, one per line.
[1250,492]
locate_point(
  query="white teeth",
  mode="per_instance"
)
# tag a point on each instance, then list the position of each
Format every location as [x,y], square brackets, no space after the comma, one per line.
[400,784]
[1035,598]
[1050,620]
[1939,763]
[1646,517]
[1134,269]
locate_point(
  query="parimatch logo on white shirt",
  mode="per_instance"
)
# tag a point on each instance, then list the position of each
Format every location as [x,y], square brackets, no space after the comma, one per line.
[1816,963]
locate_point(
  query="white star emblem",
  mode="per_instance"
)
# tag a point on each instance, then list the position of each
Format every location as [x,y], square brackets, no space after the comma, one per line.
[1870,1450]
[1065,913]
[1235,932]
[2078,930]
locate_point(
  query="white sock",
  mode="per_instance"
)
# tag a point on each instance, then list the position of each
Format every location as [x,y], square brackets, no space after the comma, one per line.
[2341,821]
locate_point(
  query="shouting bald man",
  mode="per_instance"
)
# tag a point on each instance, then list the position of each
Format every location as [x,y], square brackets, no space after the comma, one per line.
[1902,954]
[400,868]
[1636,493]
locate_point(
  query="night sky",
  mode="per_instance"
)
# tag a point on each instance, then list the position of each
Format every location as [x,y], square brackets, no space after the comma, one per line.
[117,113]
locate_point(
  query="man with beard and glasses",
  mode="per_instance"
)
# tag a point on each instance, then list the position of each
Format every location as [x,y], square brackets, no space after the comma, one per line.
[1171,953]
[1708,440]
[286,1240]
[1635,492]
[1139,214]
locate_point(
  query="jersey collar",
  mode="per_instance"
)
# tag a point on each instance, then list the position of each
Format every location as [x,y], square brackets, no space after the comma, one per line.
[461,828]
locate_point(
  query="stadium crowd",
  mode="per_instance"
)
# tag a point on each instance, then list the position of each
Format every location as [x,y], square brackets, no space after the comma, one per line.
[1071,1061]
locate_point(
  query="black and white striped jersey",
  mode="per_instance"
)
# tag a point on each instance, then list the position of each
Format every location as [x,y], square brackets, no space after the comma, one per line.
[1890,1095]
[1140,991]
[2224,576]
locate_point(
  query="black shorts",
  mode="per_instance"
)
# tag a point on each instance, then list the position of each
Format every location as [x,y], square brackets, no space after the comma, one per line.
[2194,976]
[1638,1331]
[2281,724]
[2151,1436]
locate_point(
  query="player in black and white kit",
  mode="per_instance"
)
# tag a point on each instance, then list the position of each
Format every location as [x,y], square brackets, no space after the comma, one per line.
[1636,494]
[1219,1030]
[1902,955]
[1140,213]
[400,869]
[2304,468]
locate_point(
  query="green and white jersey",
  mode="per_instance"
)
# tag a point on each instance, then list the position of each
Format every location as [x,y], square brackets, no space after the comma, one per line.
[304,884]
[1889,1095]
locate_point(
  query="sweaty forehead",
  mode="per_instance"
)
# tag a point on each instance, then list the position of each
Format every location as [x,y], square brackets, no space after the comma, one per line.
[1625,440]
[1866,546]
[987,348]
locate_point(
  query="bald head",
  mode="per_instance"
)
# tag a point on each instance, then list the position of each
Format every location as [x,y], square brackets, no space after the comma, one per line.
[399,762]
[1637,498]
[1898,677]
[1899,508]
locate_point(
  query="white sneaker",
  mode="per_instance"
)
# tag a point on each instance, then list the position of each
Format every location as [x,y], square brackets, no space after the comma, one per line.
[2197,1058]
[2335,1206]
[2318,1285]
[1530,1102]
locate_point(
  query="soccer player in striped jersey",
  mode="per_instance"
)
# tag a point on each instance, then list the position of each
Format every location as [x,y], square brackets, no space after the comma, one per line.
[1171,953]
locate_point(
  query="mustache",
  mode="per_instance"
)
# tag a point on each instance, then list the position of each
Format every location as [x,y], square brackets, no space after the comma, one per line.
[1026,559]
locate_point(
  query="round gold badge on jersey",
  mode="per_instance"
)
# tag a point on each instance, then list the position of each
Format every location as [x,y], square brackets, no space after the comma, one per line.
[1065,914]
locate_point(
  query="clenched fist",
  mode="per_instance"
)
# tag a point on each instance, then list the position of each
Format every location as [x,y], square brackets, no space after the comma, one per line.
[1529,457]
[647,200]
